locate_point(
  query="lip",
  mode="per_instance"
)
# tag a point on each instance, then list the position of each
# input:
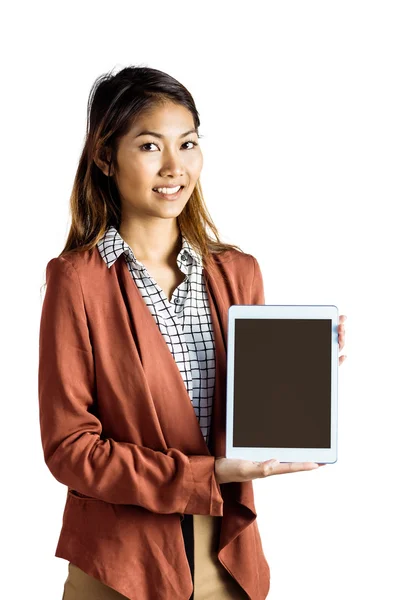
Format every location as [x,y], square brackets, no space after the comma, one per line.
[168,185]
[169,196]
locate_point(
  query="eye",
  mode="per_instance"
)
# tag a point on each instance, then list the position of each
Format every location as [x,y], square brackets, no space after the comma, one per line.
[148,144]
[191,142]
[153,144]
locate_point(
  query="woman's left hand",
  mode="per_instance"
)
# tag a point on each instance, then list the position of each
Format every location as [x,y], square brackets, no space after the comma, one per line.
[342,333]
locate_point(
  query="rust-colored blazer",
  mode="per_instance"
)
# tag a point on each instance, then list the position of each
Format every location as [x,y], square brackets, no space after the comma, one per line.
[118,428]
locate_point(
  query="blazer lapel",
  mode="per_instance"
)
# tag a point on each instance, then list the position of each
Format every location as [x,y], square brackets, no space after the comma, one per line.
[239,507]
[175,412]
[218,308]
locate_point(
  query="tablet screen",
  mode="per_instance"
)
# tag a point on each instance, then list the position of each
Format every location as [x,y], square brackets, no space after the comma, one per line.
[282,387]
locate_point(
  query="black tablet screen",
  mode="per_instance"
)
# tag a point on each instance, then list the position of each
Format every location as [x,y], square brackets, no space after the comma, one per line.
[282,387]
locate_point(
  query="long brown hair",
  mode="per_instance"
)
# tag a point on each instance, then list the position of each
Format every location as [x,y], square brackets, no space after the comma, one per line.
[115,100]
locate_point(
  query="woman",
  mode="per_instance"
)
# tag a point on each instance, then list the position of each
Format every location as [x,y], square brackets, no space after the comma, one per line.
[132,363]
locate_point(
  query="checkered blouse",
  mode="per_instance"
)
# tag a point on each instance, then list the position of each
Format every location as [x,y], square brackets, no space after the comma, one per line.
[185,322]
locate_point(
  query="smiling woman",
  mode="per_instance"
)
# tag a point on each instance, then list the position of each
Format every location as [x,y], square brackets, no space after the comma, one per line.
[132,361]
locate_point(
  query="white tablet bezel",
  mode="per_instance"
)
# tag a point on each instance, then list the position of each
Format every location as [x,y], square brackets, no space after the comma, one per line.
[255,311]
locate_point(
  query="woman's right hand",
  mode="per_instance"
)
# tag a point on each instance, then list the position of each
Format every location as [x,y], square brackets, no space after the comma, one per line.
[228,470]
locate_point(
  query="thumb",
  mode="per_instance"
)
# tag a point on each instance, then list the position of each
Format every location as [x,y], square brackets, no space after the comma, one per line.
[269,465]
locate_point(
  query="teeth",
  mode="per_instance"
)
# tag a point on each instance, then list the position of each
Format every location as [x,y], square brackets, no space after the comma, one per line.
[168,190]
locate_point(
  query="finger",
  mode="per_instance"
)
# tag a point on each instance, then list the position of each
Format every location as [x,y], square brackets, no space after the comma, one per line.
[341,336]
[292,467]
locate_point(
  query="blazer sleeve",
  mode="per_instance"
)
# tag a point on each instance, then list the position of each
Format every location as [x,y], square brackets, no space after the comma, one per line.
[74,450]
[257,288]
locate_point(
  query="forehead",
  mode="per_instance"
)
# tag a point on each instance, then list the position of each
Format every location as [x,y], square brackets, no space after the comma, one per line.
[168,119]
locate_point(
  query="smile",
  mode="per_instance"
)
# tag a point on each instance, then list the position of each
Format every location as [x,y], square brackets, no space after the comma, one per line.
[169,196]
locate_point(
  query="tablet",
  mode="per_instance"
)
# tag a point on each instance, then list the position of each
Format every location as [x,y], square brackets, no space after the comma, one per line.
[282,383]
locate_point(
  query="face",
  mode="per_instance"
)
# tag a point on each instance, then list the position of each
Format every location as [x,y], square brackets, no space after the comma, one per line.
[147,161]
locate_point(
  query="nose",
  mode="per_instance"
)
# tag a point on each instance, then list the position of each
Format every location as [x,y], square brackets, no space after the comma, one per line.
[171,163]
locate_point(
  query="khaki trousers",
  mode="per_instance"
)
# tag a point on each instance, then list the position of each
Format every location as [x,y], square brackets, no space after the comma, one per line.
[211,580]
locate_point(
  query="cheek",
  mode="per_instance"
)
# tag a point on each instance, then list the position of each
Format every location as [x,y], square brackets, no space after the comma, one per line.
[195,165]
[139,172]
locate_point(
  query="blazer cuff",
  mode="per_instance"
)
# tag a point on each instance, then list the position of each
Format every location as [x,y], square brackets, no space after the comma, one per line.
[206,498]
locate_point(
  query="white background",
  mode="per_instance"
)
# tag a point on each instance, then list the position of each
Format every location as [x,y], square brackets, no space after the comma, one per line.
[299,104]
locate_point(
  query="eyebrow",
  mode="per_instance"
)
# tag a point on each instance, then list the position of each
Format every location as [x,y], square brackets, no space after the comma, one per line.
[159,135]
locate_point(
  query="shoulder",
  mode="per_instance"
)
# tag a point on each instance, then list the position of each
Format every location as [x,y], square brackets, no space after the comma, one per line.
[74,275]
[236,264]
[75,263]
[233,259]
[242,273]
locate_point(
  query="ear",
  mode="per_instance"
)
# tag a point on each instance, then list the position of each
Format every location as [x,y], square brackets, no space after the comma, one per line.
[102,159]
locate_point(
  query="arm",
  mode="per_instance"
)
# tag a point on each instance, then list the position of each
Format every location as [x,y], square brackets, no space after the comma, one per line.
[74,451]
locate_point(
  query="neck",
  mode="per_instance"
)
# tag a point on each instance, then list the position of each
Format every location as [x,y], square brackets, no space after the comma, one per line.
[156,244]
